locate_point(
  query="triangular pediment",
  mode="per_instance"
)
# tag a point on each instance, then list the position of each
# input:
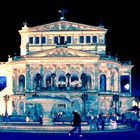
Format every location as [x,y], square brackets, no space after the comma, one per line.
[61,52]
[65,26]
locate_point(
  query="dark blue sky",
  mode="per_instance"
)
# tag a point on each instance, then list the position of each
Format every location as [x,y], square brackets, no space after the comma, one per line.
[121,20]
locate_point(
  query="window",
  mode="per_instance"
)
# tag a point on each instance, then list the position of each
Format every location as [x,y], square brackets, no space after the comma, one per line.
[125,83]
[36,40]
[87,39]
[31,40]
[56,40]
[103,83]
[43,40]
[68,39]
[81,39]
[2,82]
[62,40]
[21,82]
[62,78]
[94,39]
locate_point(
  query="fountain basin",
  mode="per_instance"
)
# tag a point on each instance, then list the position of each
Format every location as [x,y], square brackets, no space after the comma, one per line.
[47,102]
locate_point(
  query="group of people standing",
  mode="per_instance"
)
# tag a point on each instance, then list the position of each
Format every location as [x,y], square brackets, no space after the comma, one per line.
[98,121]
[94,121]
[128,118]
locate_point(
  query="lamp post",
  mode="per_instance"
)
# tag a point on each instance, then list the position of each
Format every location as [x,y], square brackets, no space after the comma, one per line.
[68,75]
[115,99]
[84,98]
[6,99]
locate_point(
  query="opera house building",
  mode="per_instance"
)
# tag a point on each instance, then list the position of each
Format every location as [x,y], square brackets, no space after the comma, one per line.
[64,66]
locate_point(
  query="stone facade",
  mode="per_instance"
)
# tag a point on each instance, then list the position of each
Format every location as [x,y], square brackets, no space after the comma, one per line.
[64,60]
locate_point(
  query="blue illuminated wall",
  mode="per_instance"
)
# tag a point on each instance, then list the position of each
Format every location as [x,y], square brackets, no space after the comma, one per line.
[2,82]
[125,83]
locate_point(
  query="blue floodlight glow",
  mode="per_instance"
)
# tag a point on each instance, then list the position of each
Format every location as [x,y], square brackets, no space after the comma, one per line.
[2,82]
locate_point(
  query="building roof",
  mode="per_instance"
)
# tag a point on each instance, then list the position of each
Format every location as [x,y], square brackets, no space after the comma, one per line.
[65,26]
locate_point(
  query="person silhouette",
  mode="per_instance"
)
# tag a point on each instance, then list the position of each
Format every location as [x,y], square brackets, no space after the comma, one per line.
[76,123]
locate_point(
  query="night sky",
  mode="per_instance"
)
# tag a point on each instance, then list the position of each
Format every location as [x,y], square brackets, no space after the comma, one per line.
[121,20]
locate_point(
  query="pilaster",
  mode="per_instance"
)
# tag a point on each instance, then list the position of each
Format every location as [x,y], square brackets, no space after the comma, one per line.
[28,78]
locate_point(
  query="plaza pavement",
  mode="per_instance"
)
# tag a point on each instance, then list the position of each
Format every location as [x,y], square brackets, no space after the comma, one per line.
[40,132]
[118,134]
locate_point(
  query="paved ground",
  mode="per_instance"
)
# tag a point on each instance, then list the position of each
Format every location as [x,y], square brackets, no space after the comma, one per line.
[128,134]
[12,132]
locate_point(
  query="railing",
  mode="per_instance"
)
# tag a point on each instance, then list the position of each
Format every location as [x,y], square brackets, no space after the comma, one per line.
[17,58]
[108,57]
[114,58]
[102,57]
[61,89]
[126,62]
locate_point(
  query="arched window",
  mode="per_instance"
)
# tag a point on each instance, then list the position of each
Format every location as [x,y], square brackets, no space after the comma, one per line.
[89,83]
[3,81]
[84,80]
[37,82]
[103,83]
[21,82]
[74,78]
[112,82]
[62,78]
[125,83]
[48,81]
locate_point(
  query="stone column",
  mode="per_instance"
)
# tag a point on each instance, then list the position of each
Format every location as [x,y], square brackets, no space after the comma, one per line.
[28,78]
[108,82]
[15,84]
[96,73]
[112,83]
[41,73]
[116,79]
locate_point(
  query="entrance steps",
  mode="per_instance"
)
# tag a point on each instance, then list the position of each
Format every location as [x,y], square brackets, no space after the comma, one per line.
[44,129]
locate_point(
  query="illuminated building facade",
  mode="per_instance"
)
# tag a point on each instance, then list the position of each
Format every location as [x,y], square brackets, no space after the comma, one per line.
[63,60]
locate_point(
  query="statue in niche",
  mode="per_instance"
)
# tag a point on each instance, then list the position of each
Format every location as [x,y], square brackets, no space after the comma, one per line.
[101,40]
[49,41]
[75,40]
